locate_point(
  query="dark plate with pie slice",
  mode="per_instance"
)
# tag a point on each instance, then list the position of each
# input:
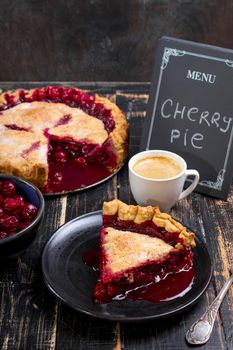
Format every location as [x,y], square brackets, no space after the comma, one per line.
[72,281]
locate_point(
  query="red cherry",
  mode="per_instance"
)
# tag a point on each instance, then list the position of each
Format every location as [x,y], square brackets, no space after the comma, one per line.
[8,223]
[85,107]
[86,98]
[73,147]
[53,93]
[109,124]
[60,157]
[67,94]
[10,99]
[8,188]
[28,212]
[98,109]
[86,149]
[3,234]
[57,148]
[107,113]
[35,95]
[22,95]
[20,198]
[42,94]
[77,97]
[13,205]
[1,212]
[80,161]
[57,176]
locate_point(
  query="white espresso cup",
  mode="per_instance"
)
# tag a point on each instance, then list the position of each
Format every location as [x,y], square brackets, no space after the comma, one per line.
[160,192]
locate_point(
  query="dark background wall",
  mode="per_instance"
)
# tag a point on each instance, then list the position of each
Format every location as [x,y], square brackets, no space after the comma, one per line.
[111,40]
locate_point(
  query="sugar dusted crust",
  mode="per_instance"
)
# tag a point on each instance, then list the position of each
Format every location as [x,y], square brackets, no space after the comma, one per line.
[125,250]
[140,214]
[25,155]
[38,115]
[82,126]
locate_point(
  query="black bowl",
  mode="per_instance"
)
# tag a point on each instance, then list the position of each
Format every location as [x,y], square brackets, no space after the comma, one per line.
[13,246]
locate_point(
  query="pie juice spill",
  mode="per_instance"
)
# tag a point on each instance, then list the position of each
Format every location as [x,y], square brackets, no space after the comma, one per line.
[165,287]
[65,177]
[75,165]
[174,285]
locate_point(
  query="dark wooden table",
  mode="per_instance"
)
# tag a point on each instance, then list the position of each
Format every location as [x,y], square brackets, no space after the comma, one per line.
[31,318]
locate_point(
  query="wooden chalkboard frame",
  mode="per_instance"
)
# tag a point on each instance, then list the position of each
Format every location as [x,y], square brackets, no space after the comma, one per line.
[171,47]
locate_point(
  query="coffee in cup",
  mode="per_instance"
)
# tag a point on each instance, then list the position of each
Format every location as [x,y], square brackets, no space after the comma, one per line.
[157,167]
[157,178]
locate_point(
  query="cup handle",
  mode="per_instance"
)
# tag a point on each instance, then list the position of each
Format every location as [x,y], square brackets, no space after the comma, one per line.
[188,190]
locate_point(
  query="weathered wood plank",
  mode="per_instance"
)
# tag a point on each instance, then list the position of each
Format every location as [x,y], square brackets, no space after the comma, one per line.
[28,311]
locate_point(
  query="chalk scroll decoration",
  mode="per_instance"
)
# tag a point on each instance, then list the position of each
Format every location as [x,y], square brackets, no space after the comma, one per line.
[215,185]
[170,52]
[229,63]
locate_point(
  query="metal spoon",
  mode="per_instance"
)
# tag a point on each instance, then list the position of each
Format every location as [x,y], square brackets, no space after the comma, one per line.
[200,331]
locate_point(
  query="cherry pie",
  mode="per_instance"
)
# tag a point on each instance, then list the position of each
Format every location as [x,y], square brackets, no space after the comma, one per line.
[139,246]
[60,138]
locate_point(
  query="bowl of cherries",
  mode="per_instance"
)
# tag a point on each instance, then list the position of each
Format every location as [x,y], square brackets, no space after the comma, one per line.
[21,213]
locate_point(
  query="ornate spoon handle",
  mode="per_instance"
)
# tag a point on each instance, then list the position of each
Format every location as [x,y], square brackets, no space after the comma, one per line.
[200,331]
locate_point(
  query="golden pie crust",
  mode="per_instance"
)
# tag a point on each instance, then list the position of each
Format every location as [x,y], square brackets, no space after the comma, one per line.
[126,249]
[38,116]
[24,154]
[140,214]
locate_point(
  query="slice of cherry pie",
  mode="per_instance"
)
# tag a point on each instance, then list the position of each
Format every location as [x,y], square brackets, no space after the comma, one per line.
[139,246]
[60,138]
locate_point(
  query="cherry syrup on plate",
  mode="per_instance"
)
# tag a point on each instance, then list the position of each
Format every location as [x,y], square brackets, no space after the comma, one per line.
[170,286]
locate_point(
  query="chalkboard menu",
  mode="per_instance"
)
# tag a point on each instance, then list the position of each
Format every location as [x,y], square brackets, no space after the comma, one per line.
[190,110]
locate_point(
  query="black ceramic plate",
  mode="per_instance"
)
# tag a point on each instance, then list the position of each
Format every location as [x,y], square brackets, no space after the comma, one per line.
[69,279]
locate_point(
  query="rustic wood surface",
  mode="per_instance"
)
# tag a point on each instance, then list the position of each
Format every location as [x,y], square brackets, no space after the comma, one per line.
[31,318]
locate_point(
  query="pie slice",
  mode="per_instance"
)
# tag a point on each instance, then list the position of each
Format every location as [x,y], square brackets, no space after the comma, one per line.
[75,139]
[24,154]
[139,246]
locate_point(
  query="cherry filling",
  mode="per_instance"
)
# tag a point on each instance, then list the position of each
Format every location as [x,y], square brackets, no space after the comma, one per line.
[16,127]
[157,281]
[64,120]
[147,227]
[69,96]
[77,164]
[32,148]
[15,212]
